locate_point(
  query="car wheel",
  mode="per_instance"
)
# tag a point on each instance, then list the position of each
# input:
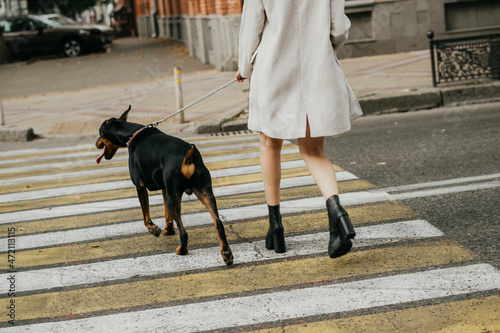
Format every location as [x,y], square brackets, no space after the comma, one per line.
[72,47]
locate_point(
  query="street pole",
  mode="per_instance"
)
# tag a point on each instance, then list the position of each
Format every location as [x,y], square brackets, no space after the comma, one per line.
[1,110]
[178,93]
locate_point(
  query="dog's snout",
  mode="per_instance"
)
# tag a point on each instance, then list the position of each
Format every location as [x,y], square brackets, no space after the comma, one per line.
[99,143]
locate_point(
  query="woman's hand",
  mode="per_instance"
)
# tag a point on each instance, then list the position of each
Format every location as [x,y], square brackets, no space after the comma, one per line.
[239,78]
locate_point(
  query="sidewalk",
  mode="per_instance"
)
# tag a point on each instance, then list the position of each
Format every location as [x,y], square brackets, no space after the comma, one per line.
[386,83]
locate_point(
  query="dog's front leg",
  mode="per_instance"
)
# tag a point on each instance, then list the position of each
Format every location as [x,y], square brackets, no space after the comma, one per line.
[153,229]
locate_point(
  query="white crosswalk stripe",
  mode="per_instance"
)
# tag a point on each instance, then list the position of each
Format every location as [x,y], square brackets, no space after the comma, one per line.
[278,306]
[310,244]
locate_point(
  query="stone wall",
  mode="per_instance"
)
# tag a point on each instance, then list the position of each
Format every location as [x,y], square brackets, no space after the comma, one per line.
[210,27]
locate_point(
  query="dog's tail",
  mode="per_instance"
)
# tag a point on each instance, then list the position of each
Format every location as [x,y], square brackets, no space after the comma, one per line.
[187,167]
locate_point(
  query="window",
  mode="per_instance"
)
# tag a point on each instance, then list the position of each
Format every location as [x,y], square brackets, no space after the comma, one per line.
[19,25]
[6,26]
[471,15]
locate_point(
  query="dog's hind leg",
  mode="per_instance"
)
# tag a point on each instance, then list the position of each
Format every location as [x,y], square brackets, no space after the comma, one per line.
[153,229]
[169,220]
[174,206]
[207,197]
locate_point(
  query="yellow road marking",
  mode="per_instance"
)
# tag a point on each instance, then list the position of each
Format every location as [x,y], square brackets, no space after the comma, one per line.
[198,236]
[24,187]
[64,200]
[236,280]
[51,171]
[54,183]
[478,315]
[247,162]
[57,224]
[239,151]
[201,142]
[62,159]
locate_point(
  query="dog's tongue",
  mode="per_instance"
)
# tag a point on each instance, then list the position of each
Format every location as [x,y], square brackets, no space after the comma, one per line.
[101,156]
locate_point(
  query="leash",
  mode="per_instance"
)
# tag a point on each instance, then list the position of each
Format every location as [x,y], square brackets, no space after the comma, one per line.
[156,123]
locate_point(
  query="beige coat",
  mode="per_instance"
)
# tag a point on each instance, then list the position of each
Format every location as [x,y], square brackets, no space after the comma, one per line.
[288,49]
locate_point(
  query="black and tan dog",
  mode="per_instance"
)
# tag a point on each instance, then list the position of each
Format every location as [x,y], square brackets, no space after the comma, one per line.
[158,161]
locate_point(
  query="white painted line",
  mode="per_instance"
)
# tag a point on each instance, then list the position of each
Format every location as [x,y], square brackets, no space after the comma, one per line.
[289,304]
[127,203]
[242,156]
[62,175]
[49,158]
[90,161]
[440,183]
[206,141]
[124,184]
[207,258]
[12,153]
[247,170]
[91,149]
[56,165]
[196,219]
[445,190]
[68,190]
[228,147]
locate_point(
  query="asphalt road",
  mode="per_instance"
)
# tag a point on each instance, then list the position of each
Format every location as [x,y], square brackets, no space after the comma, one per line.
[428,146]
[421,189]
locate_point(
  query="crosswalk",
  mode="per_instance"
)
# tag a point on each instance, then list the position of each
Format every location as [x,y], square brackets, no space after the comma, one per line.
[76,257]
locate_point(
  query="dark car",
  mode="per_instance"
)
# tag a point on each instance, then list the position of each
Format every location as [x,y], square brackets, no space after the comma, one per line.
[63,20]
[29,36]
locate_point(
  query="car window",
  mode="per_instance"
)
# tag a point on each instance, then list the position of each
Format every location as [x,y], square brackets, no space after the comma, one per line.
[6,26]
[19,25]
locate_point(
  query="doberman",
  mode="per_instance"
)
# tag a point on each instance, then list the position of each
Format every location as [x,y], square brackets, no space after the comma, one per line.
[160,161]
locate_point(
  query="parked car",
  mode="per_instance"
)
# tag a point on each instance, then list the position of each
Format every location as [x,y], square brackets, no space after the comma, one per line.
[63,20]
[30,35]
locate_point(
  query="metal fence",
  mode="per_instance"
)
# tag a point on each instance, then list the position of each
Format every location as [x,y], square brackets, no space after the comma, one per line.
[464,59]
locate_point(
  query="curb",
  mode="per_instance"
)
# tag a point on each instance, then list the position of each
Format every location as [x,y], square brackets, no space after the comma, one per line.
[430,98]
[222,127]
[9,133]
[484,93]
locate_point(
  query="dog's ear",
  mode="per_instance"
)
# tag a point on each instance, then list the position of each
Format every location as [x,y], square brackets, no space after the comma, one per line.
[125,114]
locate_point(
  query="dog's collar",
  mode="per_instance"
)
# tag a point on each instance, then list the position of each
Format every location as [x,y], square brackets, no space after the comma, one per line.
[137,133]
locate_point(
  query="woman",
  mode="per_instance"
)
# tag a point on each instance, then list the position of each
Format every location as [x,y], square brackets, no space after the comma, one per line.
[298,91]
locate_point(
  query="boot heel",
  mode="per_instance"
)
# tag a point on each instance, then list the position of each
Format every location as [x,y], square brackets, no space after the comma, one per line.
[275,238]
[270,241]
[279,241]
[346,227]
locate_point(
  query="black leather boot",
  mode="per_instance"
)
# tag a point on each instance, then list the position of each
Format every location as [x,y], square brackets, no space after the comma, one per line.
[341,229]
[275,238]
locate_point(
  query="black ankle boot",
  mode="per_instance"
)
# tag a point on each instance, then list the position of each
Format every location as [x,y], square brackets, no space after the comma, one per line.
[275,238]
[341,229]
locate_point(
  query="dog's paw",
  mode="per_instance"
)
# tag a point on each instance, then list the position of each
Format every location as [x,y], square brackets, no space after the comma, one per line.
[227,256]
[169,231]
[154,230]
[181,251]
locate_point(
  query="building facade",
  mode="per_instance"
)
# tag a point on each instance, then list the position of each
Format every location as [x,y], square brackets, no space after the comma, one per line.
[210,27]
[13,7]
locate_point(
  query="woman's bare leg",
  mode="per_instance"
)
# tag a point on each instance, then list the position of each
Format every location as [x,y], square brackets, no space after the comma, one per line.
[270,163]
[313,153]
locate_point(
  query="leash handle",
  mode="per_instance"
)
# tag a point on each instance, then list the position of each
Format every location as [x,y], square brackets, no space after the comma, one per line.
[156,123]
